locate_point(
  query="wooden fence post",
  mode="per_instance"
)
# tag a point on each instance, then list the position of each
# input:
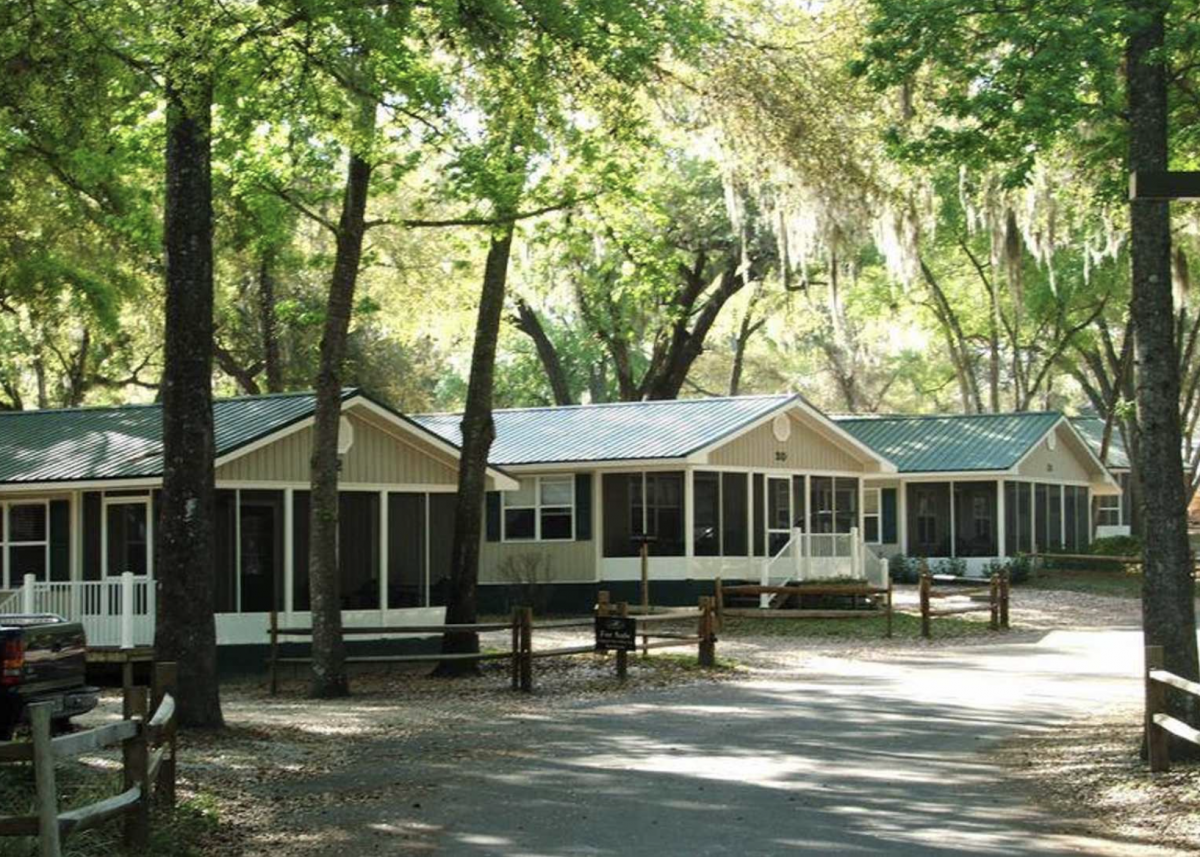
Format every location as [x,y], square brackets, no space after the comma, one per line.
[136,772]
[43,772]
[527,649]
[889,609]
[126,688]
[622,655]
[274,653]
[166,680]
[1157,741]
[707,654]
[719,603]
[923,587]
[1005,588]
[994,600]
[516,648]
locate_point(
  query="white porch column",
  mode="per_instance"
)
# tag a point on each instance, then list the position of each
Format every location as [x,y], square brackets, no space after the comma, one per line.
[289,549]
[598,525]
[808,528]
[1062,516]
[76,563]
[902,516]
[689,514]
[1033,533]
[27,600]
[383,550]
[953,523]
[428,598]
[750,515]
[1000,528]
[127,610]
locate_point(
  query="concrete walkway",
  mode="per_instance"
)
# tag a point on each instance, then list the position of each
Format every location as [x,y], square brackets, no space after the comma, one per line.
[849,757]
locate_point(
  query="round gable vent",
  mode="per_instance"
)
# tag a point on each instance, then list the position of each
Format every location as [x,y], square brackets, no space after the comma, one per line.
[781,427]
[345,435]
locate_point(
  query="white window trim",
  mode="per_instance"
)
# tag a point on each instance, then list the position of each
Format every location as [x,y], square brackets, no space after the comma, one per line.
[6,542]
[537,508]
[877,515]
[1104,507]
[105,503]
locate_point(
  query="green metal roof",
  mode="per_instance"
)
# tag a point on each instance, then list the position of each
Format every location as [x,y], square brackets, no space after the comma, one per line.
[1092,431]
[617,431]
[88,444]
[941,444]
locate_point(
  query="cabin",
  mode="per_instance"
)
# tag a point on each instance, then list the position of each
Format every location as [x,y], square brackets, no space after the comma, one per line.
[743,488]
[979,488]
[78,489]
[1113,513]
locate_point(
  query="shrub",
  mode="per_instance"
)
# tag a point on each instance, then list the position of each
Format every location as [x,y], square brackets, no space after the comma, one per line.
[1019,568]
[903,569]
[1117,546]
[954,566]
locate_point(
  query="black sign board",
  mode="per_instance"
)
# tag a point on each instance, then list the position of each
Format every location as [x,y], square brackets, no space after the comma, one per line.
[616,633]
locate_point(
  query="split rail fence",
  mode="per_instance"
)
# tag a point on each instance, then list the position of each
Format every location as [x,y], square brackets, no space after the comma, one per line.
[997,590]
[521,654]
[1159,724]
[785,593]
[148,744]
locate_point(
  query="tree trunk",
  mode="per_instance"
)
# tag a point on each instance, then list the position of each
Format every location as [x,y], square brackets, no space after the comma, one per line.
[1168,606]
[269,324]
[324,576]
[185,630]
[529,324]
[478,432]
[745,331]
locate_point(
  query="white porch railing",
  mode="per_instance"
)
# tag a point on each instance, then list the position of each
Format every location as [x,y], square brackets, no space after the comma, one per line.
[118,611]
[820,556]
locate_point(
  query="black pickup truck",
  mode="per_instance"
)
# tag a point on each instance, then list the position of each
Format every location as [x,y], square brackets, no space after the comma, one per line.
[43,658]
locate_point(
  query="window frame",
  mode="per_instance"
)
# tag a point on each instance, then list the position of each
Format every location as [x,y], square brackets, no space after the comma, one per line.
[877,515]
[134,500]
[7,543]
[538,507]
[1103,508]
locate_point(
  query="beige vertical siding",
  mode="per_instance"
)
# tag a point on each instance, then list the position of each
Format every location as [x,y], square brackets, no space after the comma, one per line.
[377,457]
[1067,461]
[805,450]
[560,562]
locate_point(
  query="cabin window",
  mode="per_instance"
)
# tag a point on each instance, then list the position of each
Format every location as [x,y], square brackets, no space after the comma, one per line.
[1108,511]
[542,509]
[25,539]
[735,537]
[871,507]
[834,504]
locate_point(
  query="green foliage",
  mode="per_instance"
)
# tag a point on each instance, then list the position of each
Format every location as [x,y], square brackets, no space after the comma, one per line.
[1116,546]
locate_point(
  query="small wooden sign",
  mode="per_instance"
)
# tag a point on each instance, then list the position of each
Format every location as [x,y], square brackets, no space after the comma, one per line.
[1164,185]
[616,633]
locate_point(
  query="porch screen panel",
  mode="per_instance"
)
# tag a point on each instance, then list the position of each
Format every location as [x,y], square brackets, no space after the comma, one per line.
[616,498]
[406,550]
[1054,538]
[664,513]
[706,516]
[734,538]
[261,551]
[300,525]
[760,515]
[441,542]
[224,558]
[1083,521]
[1025,516]
[127,535]
[975,519]
[358,549]
[1041,516]
[929,519]
[821,489]
[1071,542]
[798,506]
[91,535]
[845,504]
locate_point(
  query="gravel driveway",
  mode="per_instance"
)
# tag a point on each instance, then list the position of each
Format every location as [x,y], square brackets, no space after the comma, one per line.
[812,747]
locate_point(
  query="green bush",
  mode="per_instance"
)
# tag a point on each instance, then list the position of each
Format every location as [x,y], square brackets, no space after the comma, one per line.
[903,569]
[1117,546]
[953,566]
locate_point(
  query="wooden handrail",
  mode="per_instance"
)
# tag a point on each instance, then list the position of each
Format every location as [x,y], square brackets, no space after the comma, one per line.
[67,746]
